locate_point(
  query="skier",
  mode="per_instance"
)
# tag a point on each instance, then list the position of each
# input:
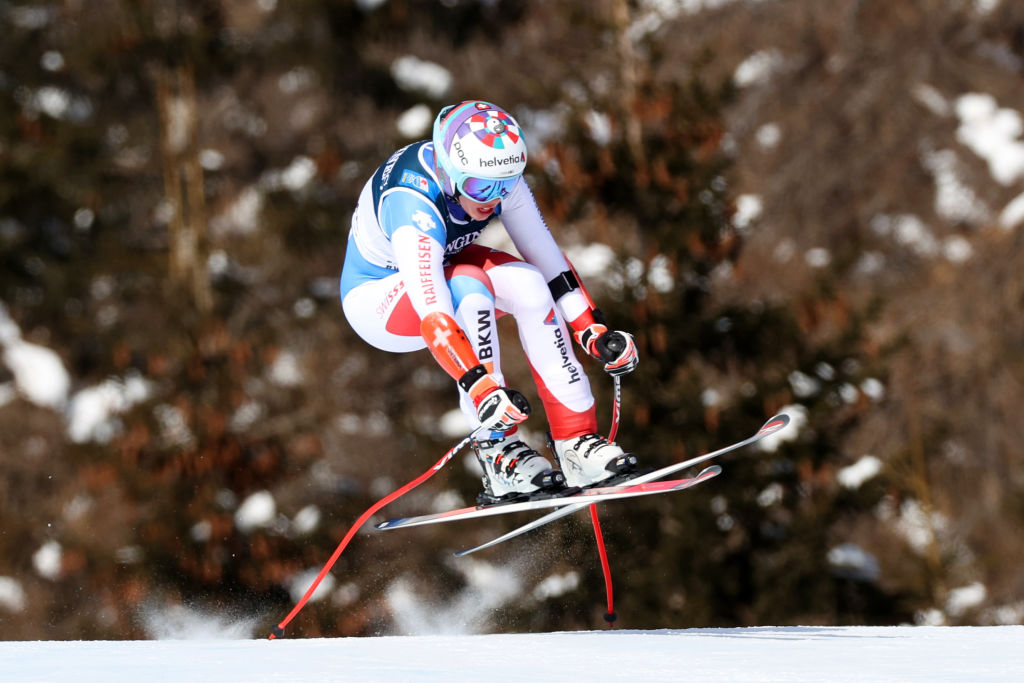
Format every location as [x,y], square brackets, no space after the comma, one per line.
[413,278]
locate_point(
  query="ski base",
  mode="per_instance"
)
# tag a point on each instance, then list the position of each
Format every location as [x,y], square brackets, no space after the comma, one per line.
[653,487]
[630,489]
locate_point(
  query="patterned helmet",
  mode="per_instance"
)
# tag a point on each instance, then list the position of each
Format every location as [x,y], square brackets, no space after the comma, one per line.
[479,149]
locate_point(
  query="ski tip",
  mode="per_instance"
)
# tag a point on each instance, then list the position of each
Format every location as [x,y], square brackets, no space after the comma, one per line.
[774,424]
[712,471]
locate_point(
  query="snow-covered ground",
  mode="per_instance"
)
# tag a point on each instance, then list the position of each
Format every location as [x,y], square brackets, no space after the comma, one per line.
[905,653]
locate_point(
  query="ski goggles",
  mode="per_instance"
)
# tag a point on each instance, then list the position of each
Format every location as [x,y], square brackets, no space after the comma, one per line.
[482,190]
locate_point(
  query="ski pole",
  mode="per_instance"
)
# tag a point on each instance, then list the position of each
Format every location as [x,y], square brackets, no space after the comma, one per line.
[278,631]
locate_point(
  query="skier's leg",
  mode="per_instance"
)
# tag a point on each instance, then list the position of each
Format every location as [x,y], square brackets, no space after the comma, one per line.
[381,314]
[511,467]
[563,387]
[585,455]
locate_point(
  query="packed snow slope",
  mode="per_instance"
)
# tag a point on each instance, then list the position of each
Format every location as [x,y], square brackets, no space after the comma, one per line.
[859,654]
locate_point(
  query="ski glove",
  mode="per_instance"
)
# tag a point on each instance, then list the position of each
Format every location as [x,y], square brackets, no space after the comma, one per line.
[502,409]
[616,349]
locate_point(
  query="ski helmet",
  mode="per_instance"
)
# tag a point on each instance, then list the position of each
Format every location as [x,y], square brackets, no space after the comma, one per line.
[479,150]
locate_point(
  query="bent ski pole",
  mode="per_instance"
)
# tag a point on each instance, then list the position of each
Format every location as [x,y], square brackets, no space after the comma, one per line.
[278,631]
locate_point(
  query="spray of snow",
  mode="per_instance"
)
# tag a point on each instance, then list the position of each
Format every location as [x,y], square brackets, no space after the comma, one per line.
[488,587]
[179,622]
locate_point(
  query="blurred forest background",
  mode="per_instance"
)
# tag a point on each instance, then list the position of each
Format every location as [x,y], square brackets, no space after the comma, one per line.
[800,204]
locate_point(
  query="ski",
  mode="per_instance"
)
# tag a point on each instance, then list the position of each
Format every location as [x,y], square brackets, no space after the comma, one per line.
[629,489]
[772,426]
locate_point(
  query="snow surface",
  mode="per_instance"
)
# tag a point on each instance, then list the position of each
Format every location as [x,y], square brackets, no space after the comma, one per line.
[803,653]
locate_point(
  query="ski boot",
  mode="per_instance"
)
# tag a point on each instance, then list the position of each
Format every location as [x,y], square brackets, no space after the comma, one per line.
[591,459]
[513,471]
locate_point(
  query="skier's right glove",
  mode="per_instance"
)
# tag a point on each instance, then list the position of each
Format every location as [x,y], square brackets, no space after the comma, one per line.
[498,408]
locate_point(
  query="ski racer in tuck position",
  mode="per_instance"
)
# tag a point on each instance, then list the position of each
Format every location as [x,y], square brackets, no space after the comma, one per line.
[413,278]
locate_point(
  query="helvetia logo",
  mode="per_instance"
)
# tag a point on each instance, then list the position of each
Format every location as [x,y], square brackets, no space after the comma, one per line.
[507,160]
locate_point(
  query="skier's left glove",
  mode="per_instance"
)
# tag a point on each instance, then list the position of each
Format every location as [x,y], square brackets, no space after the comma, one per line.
[617,349]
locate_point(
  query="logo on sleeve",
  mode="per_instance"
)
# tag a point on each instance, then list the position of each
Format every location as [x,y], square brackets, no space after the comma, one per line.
[423,221]
[414,180]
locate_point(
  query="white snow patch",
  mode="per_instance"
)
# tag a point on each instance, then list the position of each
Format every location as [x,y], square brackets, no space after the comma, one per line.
[285,370]
[928,96]
[955,201]
[957,249]
[873,389]
[768,136]
[47,560]
[12,595]
[258,510]
[242,216]
[453,424]
[7,393]
[659,275]
[803,385]
[299,173]
[92,411]
[771,495]
[757,67]
[599,125]
[855,475]
[245,416]
[850,561]
[749,208]
[930,617]
[306,520]
[448,499]
[174,429]
[415,122]
[911,521]
[908,231]
[818,257]
[965,598]
[1013,214]
[419,75]
[591,260]
[39,373]
[992,133]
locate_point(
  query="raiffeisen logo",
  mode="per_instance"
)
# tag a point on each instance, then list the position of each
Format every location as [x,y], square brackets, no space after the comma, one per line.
[507,160]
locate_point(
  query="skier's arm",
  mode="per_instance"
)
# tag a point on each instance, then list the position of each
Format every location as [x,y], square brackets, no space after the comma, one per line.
[530,234]
[419,252]
[498,408]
